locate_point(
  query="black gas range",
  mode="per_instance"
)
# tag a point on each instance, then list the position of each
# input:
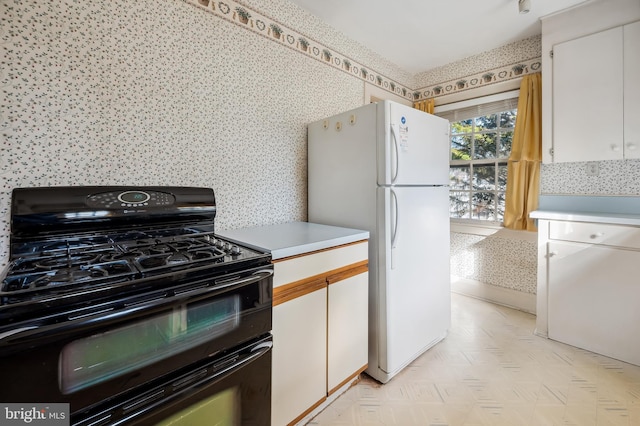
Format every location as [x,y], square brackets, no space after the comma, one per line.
[115,294]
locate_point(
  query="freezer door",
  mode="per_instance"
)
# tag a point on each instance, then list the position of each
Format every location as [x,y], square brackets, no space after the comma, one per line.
[413,273]
[413,146]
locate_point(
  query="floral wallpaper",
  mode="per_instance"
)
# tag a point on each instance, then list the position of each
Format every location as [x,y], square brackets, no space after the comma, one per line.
[621,177]
[159,92]
[174,92]
[259,23]
[512,64]
[297,18]
[494,260]
[524,53]
[208,93]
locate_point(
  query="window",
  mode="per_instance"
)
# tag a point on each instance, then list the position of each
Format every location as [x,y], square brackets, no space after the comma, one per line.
[481,138]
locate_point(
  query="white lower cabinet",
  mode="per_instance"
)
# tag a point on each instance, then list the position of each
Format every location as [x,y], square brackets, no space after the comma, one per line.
[320,328]
[299,369]
[590,278]
[347,329]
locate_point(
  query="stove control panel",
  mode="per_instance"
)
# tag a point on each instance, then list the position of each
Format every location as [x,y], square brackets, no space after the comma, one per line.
[227,247]
[130,199]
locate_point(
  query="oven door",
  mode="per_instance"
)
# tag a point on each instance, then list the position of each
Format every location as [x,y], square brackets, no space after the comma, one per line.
[232,390]
[127,343]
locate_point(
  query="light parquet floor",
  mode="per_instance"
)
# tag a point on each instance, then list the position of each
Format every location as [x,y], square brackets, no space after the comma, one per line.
[491,370]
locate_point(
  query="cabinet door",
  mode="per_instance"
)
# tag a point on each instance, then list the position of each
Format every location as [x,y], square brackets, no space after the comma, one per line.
[299,375]
[347,329]
[594,298]
[588,98]
[632,90]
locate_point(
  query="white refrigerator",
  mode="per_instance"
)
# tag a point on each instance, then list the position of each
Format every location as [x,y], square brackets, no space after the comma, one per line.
[384,168]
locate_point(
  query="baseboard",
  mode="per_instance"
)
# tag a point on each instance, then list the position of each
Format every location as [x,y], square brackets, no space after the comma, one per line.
[502,296]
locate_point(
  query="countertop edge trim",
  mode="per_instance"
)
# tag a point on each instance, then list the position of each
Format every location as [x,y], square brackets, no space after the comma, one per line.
[594,217]
[311,253]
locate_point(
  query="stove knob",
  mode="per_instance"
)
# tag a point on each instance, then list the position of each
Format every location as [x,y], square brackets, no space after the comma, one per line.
[220,244]
[227,247]
[235,250]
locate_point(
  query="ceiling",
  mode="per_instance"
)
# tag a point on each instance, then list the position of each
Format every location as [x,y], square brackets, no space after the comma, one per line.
[419,35]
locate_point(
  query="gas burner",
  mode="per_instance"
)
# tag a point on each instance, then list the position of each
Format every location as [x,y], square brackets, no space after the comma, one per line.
[184,244]
[166,245]
[66,261]
[118,255]
[42,262]
[57,247]
[165,260]
[176,258]
[205,254]
[66,276]
[77,275]
[160,249]
[160,260]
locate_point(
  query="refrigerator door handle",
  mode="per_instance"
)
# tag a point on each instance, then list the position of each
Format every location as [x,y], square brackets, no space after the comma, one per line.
[394,177]
[394,232]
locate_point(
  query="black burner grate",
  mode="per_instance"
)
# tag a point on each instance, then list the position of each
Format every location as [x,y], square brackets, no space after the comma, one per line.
[81,263]
[70,276]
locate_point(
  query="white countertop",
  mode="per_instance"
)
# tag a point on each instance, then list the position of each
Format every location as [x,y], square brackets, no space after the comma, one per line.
[293,238]
[597,209]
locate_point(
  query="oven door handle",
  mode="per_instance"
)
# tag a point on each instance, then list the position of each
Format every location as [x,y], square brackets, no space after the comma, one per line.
[29,334]
[256,352]
[10,333]
[256,276]
[222,371]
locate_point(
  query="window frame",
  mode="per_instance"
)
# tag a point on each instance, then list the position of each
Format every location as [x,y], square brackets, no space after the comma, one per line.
[471,109]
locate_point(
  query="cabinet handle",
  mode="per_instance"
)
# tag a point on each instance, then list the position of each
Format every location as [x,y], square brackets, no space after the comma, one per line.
[615,147]
[553,253]
[631,146]
[597,235]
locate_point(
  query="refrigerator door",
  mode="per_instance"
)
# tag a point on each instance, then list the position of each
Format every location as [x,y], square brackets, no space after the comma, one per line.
[413,274]
[413,146]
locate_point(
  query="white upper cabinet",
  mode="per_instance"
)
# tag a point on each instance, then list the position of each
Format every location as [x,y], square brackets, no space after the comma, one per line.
[591,83]
[588,98]
[632,90]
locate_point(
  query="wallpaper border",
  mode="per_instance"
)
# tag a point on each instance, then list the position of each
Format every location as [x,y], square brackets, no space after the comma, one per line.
[246,17]
[252,20]
[480,79]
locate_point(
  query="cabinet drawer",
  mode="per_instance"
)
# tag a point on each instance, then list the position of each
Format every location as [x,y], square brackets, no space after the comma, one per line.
[595,233]
[292,269]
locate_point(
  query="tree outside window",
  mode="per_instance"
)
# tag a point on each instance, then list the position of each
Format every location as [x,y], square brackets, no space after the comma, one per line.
[480,148]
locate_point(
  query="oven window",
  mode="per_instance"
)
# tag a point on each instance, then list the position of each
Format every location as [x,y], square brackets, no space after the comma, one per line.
[224,407]
[103,356]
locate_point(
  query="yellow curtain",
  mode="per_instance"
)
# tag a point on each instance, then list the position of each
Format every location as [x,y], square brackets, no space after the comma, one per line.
[427,105]
[523,168]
